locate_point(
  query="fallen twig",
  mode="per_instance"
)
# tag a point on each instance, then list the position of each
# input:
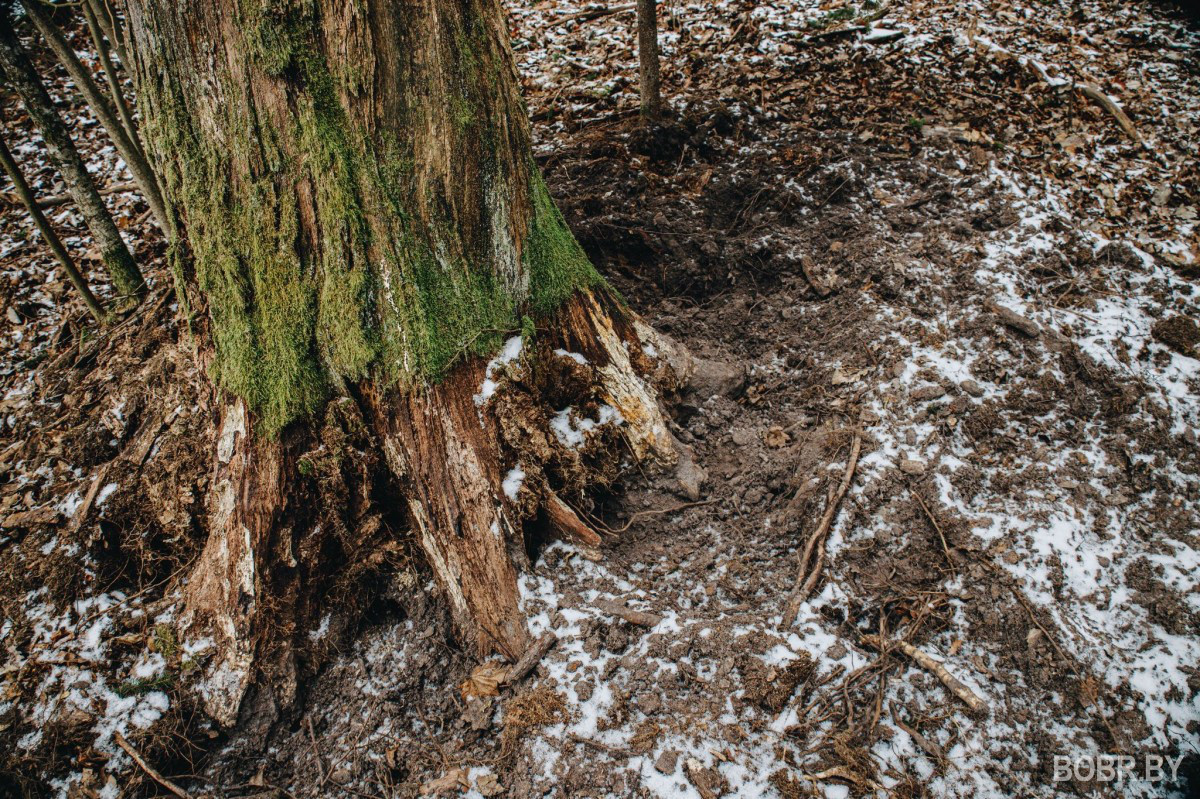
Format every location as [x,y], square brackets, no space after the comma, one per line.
[927,662]
[533,655]
[589,14]
[806,578]
[150,770]
[1011,318]
[603,747]
[62,199]
[638,617]
[1092,92]
[568,524]
[937,527]
[930,748]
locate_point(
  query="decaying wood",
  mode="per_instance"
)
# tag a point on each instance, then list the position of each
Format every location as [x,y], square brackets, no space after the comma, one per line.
[150,770]
[638,617]
[930,664]
[1011,318]
[1093,92]
[806,576]
[85,507]
[531,658]
[481,223]
[449,468]
[564,520]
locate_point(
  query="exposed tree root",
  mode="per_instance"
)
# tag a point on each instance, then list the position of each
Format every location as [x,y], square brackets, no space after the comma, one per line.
[465,467]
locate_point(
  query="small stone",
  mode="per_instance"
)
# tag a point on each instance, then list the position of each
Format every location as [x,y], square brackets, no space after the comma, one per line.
[926,393]
[665,763]
[742,437]
[972,388]
[911,466]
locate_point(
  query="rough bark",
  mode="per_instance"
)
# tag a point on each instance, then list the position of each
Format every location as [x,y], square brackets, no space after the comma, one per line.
[19,73]
[366,227]
[648,66]
[125,142]
[43,225]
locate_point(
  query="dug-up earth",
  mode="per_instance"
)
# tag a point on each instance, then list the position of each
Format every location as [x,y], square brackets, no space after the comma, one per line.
[961,286]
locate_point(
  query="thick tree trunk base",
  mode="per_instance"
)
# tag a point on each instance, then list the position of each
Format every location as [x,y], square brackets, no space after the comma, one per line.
[461,469]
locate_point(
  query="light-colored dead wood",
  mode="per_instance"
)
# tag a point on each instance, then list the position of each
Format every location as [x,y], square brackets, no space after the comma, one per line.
[566,522]
[934,667]
[638,617]
[150,770]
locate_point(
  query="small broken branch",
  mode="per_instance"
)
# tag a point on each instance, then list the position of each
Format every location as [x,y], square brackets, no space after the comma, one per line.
[638,617]
[62,199]
[1010,318]
[533,655]
[1092,92]
[927,662]
[567,523]
[806,578]
[150,770]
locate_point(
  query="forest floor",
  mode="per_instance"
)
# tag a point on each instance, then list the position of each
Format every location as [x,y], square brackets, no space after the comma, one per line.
[953,277]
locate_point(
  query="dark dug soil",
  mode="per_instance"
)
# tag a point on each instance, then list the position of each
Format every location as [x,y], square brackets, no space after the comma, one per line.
[918,245]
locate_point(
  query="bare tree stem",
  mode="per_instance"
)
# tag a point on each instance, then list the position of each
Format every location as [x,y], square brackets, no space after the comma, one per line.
[52,239]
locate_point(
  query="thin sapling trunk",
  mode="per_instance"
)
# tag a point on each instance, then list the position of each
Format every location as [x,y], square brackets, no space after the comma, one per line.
[126,145]
[110,73]
[43,226]
[648,67]
[19,73]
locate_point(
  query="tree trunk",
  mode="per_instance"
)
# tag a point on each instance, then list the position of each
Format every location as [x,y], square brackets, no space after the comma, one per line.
[648,74]
[43,225]
[366,228]
[103,52]
[126,143]
[20,74]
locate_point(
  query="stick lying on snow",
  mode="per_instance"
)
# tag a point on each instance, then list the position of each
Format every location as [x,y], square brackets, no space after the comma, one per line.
[806,578]
[927,662]
[630,615]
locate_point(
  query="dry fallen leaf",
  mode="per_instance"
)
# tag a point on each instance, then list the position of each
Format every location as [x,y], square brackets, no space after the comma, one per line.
[453,781]
[775,437]
[484,680]
[1089,691]
[488,785]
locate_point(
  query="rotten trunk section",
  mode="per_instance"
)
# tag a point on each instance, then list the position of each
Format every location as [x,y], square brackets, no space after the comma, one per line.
[362,229]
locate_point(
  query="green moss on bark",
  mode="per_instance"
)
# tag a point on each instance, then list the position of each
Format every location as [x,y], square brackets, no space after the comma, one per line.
[323,254]
[126,278]
[557,265]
